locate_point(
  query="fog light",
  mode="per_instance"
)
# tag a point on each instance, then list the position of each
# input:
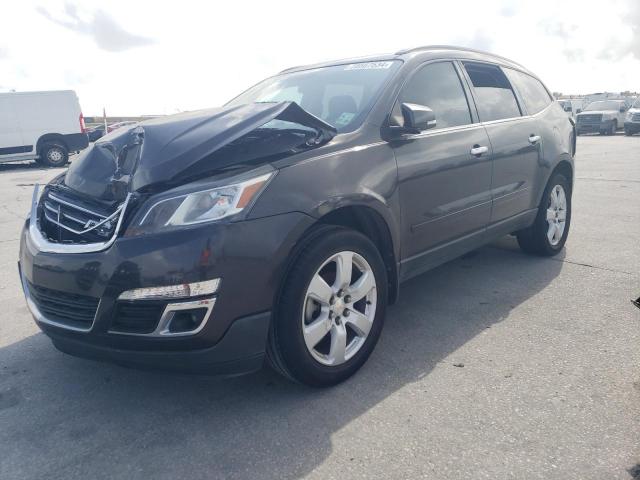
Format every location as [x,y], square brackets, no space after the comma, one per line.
[187,320]
[185,290]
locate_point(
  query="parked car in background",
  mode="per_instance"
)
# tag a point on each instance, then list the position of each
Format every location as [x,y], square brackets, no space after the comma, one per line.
[603,116]
[42,126]
[632,119]
[566,106]
[279,226]
[95,133]
[115,126]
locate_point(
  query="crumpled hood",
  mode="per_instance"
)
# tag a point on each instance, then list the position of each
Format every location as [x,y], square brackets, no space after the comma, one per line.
[162,150]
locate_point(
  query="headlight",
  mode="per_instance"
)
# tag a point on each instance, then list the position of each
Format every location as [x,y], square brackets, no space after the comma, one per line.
[199,207]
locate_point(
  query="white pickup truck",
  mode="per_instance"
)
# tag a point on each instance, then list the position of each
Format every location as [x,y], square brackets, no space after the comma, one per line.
[632,120]
[41,126]
[603,116]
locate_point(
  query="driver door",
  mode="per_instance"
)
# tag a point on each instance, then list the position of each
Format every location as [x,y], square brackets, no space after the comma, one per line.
[444,173]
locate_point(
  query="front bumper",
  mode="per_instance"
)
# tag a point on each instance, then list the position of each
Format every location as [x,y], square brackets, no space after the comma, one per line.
[632,127]
[598,127]
[249,257]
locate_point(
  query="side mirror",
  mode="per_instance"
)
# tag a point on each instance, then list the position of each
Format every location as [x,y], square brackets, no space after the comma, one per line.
[622,109]
[579,110]
[417,118]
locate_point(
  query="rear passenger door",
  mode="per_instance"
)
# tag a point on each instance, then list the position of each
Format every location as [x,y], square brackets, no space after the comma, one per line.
[515,139]
[537,101]
[444,173]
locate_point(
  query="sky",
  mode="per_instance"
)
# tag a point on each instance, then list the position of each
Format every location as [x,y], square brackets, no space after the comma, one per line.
[143,58]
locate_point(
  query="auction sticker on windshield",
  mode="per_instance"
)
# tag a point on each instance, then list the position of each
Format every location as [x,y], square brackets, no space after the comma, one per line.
[369,66]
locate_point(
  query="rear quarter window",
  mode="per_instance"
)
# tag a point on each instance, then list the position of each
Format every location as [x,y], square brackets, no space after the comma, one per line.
[535,97]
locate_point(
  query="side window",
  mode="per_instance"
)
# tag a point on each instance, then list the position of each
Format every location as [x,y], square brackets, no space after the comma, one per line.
[494,96]
[532,92]
[437,86]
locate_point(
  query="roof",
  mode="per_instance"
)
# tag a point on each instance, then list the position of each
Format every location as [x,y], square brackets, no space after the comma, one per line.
[426,52]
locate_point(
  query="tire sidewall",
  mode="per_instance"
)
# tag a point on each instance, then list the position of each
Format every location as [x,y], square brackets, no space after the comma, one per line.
[288,318]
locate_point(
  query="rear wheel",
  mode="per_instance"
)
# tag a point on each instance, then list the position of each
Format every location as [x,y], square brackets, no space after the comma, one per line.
[53,155]
[614,127]
[331,308]
[549,231]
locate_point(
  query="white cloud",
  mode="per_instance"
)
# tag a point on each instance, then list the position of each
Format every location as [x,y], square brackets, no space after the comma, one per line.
[203,53]
[101,27]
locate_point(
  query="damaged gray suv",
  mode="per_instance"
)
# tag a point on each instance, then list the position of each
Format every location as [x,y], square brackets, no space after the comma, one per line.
[279,227]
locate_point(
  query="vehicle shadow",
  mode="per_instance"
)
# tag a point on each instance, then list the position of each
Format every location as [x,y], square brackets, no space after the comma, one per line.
[63,417]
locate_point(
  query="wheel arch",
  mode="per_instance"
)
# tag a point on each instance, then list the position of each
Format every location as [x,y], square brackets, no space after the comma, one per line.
[564,167]
[56,138]
[368,221]
[364,218]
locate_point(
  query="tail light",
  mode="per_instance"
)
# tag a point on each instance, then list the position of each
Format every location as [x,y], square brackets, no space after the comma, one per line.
[83,129]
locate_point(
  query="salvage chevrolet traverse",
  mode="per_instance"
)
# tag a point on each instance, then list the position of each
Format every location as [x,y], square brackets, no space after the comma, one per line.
[278,227]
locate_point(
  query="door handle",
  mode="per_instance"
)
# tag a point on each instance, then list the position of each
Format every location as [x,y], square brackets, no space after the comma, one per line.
[533,139]
[477,150]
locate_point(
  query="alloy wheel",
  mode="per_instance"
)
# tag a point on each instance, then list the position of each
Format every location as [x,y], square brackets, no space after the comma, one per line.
[339,308]
[556,214]
[55,155]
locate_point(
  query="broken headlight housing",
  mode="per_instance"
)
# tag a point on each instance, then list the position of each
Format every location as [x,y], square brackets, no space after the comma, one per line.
[200,206]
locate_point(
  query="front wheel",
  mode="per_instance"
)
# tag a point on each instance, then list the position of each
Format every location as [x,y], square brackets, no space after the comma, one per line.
[549,231]
[331,308]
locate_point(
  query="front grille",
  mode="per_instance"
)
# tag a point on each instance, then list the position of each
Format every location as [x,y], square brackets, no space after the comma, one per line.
[66,219]
[137,317]
[635,117]
[62,307]
[590,118]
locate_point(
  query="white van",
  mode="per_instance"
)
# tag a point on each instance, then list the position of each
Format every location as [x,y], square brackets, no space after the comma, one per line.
[41,126]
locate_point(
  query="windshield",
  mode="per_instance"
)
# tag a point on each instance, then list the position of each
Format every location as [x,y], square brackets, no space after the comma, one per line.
[603,105]
[636,104]
[341,95]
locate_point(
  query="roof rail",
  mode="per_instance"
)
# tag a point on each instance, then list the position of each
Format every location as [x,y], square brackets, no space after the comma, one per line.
[452,47]
[290,68]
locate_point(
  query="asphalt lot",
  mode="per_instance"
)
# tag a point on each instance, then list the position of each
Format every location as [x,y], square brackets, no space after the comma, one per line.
[550,386]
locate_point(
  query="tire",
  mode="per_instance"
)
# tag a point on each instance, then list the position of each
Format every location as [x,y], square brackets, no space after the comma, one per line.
[628,133]
[53,155]
[535,239]
[614,127]
[297,311]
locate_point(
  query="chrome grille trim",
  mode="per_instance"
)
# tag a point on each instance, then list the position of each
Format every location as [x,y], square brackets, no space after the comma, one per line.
[56,198]
[42,244]
[86,230]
